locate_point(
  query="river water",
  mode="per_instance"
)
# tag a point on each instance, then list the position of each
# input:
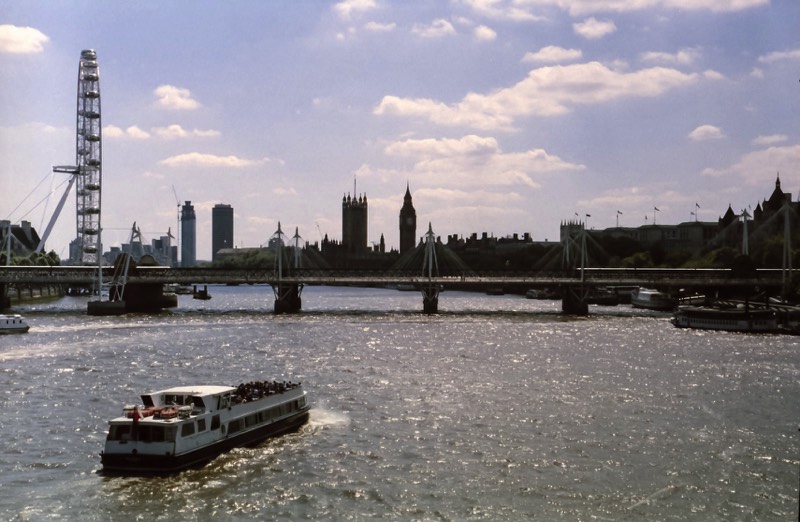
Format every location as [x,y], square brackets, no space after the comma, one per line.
[497,408]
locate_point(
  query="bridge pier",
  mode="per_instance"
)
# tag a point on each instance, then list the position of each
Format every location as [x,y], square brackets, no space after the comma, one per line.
[5,301]
[287,298]
[430,300]
[573,301]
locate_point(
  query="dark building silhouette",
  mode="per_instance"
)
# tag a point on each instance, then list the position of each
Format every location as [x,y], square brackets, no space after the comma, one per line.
[767,220]
[408,224]
[23,237]
[354,224]
[188,235]
[769,214]
[221,229]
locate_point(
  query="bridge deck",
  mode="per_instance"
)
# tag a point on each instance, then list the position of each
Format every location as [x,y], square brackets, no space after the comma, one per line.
[660,278]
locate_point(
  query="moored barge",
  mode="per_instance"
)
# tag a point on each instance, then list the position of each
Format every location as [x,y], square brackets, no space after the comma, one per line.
[732,319]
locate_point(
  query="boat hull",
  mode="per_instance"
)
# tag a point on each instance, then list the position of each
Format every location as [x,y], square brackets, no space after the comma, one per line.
[139,463]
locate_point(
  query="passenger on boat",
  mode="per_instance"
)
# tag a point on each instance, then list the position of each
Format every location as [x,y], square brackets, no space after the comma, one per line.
[136,416]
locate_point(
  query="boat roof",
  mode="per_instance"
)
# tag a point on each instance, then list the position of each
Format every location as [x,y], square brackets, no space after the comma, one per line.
[204,389]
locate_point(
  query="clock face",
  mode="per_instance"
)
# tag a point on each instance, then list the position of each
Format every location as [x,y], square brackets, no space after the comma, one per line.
[410,220]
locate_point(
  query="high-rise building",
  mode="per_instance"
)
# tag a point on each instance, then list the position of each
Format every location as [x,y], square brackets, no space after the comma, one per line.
[408,224]
[188,235]
[221,228]
[354,224]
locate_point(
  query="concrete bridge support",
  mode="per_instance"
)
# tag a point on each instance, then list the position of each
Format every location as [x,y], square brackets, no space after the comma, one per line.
[287,298]
[430,300]
[573,301]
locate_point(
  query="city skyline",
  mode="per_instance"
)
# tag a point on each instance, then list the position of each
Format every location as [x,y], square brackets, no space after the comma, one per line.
[503,117]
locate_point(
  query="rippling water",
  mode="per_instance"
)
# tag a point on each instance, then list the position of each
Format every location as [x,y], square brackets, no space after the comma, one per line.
[498,408]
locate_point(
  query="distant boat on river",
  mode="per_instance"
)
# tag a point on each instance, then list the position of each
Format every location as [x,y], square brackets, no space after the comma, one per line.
[13,324]
[651,299]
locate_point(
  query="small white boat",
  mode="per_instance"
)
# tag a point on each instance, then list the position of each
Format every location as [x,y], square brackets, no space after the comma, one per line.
[13,324]
[187,426]
[733,319]
[651,299]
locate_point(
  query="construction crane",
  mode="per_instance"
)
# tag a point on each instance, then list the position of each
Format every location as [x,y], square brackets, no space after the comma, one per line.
[178,230]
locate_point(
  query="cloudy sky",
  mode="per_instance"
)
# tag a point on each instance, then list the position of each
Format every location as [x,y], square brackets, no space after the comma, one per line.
[503,116]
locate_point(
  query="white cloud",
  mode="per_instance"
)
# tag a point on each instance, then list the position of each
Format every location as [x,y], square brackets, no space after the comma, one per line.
[759,167]
[428,148]
[503,10]
[133,132]
[21,40]
[476,160]
[437,29]
[585,7]
[282,191]
[347,8]
[770,140]
[197,159]
[175,131]
[794,54]
[376,27]
[706,133]
[547,91]
[719,6]
[619,198]
[553,54]
[592,28]
[171,97]
[686,56]
[484,34]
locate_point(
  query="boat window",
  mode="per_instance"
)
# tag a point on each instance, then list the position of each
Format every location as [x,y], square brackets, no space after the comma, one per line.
[201,425]
[234,426]
[198,403]
[147,401]
[178,400]
[151,433]
[215,422]
[119,433]
[187,429]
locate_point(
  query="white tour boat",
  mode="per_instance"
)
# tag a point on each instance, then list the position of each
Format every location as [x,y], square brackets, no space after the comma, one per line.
[187,426]
[651,299]
[13,324]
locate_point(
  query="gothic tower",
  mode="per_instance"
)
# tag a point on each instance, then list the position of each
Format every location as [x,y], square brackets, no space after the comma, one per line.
[354,224]
[408,224]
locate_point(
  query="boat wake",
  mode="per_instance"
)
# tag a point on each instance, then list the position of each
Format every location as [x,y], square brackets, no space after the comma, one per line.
[322,418]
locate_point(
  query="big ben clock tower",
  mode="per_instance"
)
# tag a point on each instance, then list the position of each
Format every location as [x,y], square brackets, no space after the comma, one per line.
[408,224]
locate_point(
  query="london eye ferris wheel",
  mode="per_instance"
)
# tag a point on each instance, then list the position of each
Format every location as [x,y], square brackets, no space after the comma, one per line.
[87,170]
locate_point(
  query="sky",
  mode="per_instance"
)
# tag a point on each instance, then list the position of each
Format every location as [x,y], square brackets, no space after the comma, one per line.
[501,116]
